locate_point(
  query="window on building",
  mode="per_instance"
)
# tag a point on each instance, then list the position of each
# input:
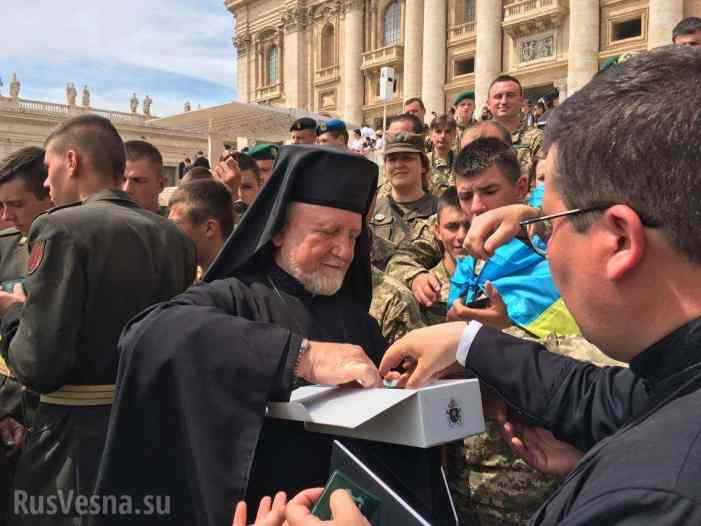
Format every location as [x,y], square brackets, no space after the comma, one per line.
[272,66]
[392,24]
[627,29]
[464,66]
[464,11]
[328,46]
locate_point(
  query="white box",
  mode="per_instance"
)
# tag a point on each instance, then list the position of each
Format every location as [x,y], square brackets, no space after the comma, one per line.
[444,411]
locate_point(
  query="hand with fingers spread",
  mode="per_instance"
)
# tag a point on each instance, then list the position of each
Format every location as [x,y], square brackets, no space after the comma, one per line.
[337,363]
[493,228]
[426,288]
[426,352]
[229,172]
[495,314]
[540,449]
[343,510]
[271,512]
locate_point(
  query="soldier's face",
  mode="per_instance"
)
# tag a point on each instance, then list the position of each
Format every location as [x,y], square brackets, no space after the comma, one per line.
[266,168]
[249,188]
[317,246]
[693,40]
[415,109]
[303,137]
[505,100]
[400,126]
[451,229]
[143,182]
[443,139]
[328,139]
[489,190]
[61,181]
[404,169]
[464,110]
[19,205]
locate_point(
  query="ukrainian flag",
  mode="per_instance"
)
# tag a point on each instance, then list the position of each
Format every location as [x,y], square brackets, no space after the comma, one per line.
[522,278]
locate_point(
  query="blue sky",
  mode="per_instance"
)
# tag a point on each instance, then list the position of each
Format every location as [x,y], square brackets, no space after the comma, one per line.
[173,50]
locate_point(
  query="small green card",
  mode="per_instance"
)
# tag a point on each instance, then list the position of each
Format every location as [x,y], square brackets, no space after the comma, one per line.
[9,285]
[366,501]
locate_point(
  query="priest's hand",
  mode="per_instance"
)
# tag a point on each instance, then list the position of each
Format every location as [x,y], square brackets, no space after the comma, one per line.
[343,510]
[337,363]
[425,353]
[540,449]
[490,230]
[495,314]
[270,512]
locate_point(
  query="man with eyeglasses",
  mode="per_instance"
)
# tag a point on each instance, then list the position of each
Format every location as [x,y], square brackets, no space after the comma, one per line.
[622,201]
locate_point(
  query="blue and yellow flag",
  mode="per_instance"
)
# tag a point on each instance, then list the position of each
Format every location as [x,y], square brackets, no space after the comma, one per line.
[522,278]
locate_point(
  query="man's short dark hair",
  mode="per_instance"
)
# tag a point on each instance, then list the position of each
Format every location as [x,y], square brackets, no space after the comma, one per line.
[26,164]
[478,156]
[506,78]
[651,166]
[416,125]
[143,151]
[444,122]
[413,100]
[196,173]
[688,26]
[96,139]
[206,199]
[448,199]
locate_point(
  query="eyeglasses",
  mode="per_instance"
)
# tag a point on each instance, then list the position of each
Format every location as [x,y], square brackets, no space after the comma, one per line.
[538,230]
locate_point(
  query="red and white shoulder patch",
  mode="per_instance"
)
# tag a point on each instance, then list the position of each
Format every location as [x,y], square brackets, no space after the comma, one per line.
[36,256]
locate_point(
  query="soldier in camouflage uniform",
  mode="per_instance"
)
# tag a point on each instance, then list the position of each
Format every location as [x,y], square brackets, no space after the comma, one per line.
[393,306]
[464,104]
[443,132]
[406,166]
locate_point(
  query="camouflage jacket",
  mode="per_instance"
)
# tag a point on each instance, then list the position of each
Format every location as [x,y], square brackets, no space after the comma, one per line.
[393,306]
[393,221]
[527,142]
[438,311]
[441,177]
[419,252]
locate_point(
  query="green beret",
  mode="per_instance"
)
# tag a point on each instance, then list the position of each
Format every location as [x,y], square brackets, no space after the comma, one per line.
[264,152]
[464,95]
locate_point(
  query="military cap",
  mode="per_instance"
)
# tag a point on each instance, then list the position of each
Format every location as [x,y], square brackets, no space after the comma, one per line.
[404,142]
[264,151]
[305,123]
[333,125]
[464,95]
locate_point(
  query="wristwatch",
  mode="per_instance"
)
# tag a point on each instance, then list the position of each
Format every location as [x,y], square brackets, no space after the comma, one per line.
[303,348]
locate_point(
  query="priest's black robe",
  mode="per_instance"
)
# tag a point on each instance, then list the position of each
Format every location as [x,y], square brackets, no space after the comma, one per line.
[194,377]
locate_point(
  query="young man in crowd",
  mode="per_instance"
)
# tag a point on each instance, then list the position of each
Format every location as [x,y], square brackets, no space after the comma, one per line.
[332,133]
[415,106]
[265,156]
[688,32]
[464,104]
[203,211]
[443,131]
[303,131]
[143,176]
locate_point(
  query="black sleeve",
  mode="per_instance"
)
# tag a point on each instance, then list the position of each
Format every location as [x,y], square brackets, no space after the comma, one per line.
[579,403]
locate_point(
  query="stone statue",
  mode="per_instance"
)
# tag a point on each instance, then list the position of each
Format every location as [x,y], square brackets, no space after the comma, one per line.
[147,105]
[134,103]
[14,86]
[71,93]
[188,106]
[86,97]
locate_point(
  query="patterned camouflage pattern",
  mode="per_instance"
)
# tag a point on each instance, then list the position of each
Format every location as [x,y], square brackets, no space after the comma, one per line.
[527,142]
[439,310]
[393,307]
[418,253]
[394,221]
[381,251]
[441,176]
[490,481]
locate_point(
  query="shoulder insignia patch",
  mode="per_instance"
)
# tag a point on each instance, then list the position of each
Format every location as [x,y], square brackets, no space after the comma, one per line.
[36,256]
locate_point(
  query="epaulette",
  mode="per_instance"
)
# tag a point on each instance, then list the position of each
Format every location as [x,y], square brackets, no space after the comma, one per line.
[10,232]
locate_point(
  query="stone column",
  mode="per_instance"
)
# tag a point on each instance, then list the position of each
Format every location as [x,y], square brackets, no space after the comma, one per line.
[583,51]
[352,50]
[664,15]
[294,67]
[413,29]
[488,18]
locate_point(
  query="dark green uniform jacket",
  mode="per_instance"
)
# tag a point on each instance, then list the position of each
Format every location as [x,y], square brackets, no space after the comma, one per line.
[92,267]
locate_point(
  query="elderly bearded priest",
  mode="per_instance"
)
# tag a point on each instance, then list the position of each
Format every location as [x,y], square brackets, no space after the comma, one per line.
[196,372]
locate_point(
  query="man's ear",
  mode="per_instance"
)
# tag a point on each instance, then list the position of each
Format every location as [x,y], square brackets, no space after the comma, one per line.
[522,186]
[277,238]
[212,229]
[73,161]
[624,240]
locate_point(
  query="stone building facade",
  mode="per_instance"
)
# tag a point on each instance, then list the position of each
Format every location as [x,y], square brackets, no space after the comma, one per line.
[325,55]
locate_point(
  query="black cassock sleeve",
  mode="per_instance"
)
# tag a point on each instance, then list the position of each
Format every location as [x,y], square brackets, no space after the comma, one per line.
[579,403]
[193,382]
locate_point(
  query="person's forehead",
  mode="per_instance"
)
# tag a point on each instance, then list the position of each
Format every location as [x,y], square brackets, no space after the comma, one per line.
[451,214]
[492,175]
[141,168]
[466,102]
[439,129]
[506,86]
[307,214]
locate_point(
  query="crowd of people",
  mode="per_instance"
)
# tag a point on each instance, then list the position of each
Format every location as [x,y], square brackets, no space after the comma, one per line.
[555,256]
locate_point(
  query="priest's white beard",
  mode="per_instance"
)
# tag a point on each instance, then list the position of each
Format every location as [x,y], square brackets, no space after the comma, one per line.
[325,282]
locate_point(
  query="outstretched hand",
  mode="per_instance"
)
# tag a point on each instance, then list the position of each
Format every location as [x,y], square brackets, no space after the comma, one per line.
[495,314]
[336,364]
[490,230]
